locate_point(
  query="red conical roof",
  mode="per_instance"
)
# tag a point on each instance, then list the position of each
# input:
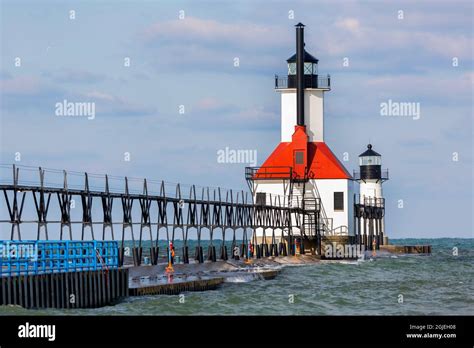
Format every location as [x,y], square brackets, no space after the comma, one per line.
[322,162]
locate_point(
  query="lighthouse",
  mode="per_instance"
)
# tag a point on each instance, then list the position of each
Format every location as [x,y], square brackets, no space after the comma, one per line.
[302,171]
[370,204]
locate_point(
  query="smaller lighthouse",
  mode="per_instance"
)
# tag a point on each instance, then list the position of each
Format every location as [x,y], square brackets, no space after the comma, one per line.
[370,205]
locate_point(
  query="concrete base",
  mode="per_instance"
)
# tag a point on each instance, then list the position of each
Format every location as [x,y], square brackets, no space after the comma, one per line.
[86,289]
[175,285]
[407,249]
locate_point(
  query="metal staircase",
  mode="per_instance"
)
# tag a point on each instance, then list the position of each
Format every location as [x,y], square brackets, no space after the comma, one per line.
[306,196]
[325,225]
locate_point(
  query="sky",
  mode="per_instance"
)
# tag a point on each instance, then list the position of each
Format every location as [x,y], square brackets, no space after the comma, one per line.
[182,98]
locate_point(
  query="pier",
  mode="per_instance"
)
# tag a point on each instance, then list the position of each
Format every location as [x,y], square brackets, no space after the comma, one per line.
[153,212]
[69,267]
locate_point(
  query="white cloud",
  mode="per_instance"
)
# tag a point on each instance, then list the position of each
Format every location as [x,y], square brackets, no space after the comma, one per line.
[20,85]
[113,105]
[100,95]
[349,36]
[77,76]
[209,103]
[197,30]
[433,85]
[350,24]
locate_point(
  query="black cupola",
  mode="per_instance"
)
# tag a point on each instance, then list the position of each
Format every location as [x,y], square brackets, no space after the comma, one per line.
[310,71]
[370,163]
[310,64]
[311,77]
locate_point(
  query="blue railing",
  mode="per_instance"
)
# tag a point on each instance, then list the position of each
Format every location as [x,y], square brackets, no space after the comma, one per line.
[40,257]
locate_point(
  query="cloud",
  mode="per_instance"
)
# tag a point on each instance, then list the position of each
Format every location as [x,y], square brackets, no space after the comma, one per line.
[19,85]
[258,115]
[208,45]
[444,45]
[100,96]
[113,105]
[423,86]
[210,103]
[375,45]
[351,25]
[76,77]
[28,93]
[211,32]
[218,114]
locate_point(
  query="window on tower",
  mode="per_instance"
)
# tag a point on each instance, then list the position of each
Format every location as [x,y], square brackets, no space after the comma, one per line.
[292,69]
[299,157]
[338,201]
[261,198]
[308,68]
[370,160]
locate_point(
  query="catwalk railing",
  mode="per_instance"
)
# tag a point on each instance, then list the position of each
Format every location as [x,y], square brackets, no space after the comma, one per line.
[369,201]
[383,175]
[310,81]
[160,211]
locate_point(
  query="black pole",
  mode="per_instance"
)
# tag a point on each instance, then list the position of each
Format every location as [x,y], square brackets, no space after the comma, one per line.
[300,73]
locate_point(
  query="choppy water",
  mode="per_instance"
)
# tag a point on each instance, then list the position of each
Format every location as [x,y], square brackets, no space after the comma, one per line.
[438,284]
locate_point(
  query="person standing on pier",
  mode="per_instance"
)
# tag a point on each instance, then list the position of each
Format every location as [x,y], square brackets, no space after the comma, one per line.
[171,253]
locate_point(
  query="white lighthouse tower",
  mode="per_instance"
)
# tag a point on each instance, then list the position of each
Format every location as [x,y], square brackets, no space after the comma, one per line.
[314,88]
[370,164]
[370,203]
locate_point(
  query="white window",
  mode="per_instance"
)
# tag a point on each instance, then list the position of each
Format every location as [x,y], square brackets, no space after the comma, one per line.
[292,69]
[370,161]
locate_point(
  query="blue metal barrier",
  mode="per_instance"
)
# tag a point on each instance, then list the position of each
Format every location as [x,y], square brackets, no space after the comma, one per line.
[39,257]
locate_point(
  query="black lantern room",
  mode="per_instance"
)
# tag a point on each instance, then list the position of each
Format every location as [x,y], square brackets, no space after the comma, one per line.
[310,70]
[370,163]
[310,64]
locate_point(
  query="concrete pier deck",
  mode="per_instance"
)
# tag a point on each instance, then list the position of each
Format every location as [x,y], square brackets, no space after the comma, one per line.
[148,279]
[172,285]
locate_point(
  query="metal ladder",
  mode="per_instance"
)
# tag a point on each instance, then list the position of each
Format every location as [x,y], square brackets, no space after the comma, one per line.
[325,225]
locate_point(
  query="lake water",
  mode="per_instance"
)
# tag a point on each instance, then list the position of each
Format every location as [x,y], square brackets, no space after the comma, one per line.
[439,284]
